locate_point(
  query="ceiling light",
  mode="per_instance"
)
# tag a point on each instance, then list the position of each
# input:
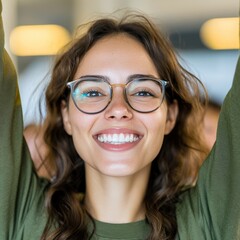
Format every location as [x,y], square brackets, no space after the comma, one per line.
[33,40]
[221,33]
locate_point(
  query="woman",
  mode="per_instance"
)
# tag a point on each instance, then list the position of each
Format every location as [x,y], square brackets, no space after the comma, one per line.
[121,129]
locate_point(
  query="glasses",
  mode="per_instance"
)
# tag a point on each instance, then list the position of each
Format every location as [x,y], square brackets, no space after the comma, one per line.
[93,94]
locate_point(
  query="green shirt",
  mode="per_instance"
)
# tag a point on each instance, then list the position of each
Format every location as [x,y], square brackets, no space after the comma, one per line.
[211,210]
[130,231]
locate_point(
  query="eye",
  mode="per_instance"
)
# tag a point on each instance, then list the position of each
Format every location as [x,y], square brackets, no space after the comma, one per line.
[91,94]
[144,93]
[143,89]
[83,93]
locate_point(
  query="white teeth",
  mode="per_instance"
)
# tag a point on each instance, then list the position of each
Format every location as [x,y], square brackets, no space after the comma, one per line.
[117,138]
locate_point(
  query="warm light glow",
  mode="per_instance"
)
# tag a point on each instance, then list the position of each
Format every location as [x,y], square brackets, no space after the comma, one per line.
[221,33]
[33,40]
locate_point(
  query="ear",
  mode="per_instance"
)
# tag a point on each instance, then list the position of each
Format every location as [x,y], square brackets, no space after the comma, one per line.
[65,116]
[171,117]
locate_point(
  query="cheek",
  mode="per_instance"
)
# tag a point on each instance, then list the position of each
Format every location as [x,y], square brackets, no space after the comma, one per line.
[157,136]
[80,122]
[156,123]
[155,126]
[81,125]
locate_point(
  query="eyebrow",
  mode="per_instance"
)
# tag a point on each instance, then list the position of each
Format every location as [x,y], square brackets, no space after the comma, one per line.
[129,78]
[134,76]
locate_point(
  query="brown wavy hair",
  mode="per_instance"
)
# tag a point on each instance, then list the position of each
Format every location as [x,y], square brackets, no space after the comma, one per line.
[174,168]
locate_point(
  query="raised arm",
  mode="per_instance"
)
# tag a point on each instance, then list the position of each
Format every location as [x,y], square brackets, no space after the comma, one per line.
[20,190]
[212,209]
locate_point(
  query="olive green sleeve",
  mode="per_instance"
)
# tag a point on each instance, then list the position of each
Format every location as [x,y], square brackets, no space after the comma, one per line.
[20,190]
[211,210]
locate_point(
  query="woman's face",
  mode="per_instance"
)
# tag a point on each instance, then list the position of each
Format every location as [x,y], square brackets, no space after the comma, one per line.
[117,58]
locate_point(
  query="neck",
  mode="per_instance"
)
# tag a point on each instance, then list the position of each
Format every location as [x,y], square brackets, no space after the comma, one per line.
[116,199]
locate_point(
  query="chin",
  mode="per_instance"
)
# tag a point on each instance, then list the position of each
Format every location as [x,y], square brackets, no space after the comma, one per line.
[123,169]
[117,171]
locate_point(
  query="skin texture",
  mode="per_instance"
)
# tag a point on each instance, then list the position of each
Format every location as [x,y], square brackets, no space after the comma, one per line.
[116,173]
[210,125]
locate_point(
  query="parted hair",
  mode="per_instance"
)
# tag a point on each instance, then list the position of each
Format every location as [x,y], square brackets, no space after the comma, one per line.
[175,167]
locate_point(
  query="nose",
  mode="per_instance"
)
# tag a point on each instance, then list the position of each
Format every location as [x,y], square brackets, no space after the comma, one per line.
[118,108]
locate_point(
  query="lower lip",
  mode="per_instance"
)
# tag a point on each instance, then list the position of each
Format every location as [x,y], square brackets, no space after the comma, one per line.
[117,147]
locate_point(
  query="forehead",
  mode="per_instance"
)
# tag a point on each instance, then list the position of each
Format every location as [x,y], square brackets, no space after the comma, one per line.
[119,54]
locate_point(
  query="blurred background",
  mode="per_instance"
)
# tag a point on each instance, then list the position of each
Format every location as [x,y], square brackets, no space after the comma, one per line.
[205,33]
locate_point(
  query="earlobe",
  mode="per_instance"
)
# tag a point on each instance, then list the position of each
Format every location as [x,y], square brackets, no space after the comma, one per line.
[172,115]
[65,117]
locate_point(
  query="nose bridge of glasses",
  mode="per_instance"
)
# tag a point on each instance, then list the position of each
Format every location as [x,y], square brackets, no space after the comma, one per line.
[122,85]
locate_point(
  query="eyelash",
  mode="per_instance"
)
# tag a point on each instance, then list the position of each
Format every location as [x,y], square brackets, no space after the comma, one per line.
[145,91]
[89,92]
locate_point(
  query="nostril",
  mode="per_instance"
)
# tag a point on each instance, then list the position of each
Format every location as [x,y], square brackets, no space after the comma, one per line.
[118,116]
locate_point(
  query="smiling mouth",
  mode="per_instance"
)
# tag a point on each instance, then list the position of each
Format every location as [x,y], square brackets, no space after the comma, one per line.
[118,139]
